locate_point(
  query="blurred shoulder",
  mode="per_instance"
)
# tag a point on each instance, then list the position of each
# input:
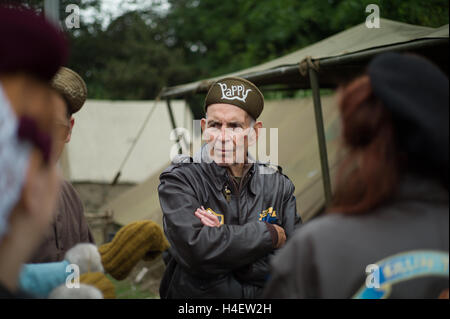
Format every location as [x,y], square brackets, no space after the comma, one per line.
[275,174]
[326,228]
[182,166]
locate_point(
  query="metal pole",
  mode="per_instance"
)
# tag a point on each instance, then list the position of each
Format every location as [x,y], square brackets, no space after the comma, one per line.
[313,78]
[174,125]
[119,172]
[172,118]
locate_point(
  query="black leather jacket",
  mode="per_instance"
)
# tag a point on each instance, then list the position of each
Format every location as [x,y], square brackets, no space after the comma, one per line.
[231,261]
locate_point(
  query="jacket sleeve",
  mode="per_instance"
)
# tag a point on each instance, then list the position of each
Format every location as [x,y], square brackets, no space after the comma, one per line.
[257,273]
[207,250]
[293,272]
[84,232]
[291,220]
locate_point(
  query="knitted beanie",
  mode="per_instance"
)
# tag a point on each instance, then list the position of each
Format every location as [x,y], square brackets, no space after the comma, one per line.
[101,282]
[133,242]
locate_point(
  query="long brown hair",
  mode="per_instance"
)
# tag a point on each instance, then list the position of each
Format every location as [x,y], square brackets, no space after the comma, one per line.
[369,173]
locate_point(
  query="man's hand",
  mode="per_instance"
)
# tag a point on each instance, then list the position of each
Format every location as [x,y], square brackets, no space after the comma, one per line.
[281,236]
[207,218]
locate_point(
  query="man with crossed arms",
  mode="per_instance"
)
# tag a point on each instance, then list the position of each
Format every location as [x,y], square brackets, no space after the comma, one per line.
[224,214]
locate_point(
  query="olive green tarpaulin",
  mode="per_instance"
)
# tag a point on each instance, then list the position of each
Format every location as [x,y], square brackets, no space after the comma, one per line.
[360,39]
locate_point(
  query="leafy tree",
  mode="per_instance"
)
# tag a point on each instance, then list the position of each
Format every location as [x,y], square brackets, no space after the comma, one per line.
[143,50]
[225,36]
[128,60]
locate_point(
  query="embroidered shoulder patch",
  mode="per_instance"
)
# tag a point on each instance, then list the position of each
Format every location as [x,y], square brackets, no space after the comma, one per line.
[268,215]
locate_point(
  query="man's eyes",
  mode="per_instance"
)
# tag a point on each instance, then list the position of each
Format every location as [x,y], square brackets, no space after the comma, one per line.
[219,125]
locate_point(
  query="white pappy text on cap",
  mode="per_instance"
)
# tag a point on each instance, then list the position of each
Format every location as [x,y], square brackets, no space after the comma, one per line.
[235,92]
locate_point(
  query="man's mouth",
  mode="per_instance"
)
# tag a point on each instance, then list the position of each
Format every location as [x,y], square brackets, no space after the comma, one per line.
[223,150]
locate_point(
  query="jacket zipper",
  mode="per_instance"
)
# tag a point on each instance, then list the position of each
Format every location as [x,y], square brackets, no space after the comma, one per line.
[238,191]
[227,194]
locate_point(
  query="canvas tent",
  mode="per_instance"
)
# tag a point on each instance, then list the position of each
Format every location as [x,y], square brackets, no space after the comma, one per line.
[308,129]
[105,131]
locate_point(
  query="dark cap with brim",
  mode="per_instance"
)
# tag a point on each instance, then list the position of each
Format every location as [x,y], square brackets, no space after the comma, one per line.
[239,92]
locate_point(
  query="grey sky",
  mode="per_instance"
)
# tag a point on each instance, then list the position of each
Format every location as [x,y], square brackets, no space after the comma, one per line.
[111,9]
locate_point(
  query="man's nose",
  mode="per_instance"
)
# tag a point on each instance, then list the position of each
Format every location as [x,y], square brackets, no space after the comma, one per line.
[223,134]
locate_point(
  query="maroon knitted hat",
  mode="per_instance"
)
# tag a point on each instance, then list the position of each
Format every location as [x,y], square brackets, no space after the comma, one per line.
[29,43]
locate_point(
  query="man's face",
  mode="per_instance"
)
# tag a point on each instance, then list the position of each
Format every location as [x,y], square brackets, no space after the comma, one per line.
[228,131]
[62,123]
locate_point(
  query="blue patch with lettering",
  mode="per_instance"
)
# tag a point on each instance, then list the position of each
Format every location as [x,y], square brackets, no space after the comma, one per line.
[402,267]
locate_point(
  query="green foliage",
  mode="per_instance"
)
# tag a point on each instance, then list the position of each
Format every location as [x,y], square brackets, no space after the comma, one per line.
[236,34]
[128,60]
[142,51]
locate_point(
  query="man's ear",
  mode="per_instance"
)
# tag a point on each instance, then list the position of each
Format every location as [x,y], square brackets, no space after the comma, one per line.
[71,123]
[203,124]
[257,126]
[204,135]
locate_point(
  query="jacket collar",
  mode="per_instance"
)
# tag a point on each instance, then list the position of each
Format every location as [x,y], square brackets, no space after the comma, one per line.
[219,174]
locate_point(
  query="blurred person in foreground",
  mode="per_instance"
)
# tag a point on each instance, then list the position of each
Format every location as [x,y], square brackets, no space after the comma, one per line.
[69,226]
[387,233]
[224,214]
[31,52]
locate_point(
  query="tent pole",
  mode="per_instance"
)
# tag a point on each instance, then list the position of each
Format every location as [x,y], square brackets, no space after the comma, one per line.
[314,81]
[172,118]
[174,125]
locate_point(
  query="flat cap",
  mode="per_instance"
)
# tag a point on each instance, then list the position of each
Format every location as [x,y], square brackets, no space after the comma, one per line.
[236,91]
[72,87]
[29,43]
[416,93]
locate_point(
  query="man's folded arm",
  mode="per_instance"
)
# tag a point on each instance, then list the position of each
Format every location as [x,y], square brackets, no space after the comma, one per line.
[257,272]
[214,250]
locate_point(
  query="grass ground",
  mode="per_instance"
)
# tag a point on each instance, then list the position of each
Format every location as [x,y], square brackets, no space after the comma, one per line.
[126,289]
